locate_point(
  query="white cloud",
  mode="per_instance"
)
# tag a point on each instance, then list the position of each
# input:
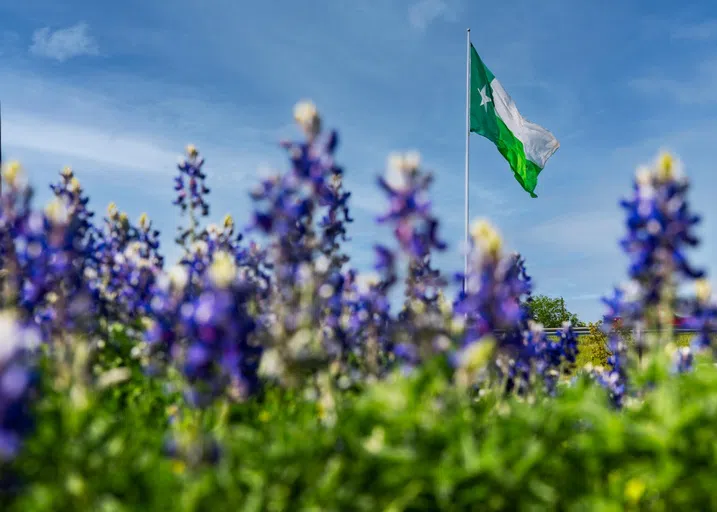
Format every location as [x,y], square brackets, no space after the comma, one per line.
[75,141]
[64,44]
[425,12]
[586,233]
[100,129]
[493,200]
[695,89]
[586,297]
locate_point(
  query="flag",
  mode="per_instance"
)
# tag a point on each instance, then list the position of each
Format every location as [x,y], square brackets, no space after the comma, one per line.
[525,145]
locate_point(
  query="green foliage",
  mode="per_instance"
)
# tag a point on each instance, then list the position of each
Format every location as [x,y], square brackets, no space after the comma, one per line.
[409,443]
[551,312]
[592,348]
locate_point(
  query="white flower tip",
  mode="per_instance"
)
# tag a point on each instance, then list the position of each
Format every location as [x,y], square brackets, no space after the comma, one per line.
[223,269]
[57,211]
[405,162]
[307,117]
[178,276]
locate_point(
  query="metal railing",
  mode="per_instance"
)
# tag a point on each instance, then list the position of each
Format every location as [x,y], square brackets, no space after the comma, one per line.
[582,331]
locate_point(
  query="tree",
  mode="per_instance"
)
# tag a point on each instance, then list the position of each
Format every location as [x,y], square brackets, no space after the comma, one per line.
[551,312]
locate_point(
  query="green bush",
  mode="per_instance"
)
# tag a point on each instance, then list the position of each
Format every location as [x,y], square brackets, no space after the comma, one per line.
[592,348]
[594,351]
[411,443]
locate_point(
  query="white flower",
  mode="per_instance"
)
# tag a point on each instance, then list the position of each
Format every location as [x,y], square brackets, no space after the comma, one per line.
[366,280]
[322,264]
[399,167]
[13,337]
[307,117]
[56,211]
[703,290]
[223,270]
[178,276]
[305,112]
[200,247]
[271,364]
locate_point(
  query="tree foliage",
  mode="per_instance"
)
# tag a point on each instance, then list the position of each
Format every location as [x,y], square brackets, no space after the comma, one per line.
[551,312]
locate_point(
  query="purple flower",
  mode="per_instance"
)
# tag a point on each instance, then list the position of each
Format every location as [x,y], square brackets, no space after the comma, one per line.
[333,223]
[17,383]
[682,361]
[496,284]
[493,305]
[48,255]
[128,264]
[207,333]
[421,322]
[660,227]
[416,229]
[308,283]
[192,193]
[370,324]
[703,318]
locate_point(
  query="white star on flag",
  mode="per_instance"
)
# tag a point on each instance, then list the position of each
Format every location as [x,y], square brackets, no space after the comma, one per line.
[484,99]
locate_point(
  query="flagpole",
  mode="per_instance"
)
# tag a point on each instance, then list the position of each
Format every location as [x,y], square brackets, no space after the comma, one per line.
[467,167]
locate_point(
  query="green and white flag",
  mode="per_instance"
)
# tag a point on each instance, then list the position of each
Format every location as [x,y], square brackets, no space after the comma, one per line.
[493,114]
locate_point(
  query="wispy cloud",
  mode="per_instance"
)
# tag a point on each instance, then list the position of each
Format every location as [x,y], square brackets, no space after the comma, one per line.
[705,30]
[423,13]
[65,43]
[592,233]
[695,87]
[71,141]
[585,296]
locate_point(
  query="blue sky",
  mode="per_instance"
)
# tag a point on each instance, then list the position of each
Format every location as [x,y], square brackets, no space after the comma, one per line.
[116,90]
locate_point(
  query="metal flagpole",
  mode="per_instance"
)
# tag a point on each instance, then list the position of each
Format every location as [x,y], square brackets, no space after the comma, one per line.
[467,168]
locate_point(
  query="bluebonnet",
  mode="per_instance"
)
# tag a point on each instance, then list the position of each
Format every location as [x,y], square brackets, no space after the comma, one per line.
[422,332]
[218,327]
[223,238]
[129,260]
[47,255]
[70,191]
[207,334]
[113,237]
[368,318]
[313,167]
[192,191]
[251,259]
[149,244]
[15,210]
[624,309]
[333,223]
[683,359]
[660,230]
[286,204]
[416,229]
[163,335]
[196,259]
[197,320]
[490,307]
[17,382]
[286,215]
[703,318]
[549,358]
[495,286]
[302,324]
[499,333]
